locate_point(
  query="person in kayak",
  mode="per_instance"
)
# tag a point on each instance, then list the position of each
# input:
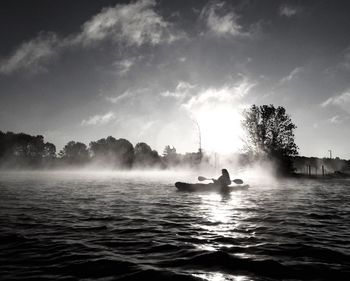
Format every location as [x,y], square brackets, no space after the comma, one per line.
[224,180]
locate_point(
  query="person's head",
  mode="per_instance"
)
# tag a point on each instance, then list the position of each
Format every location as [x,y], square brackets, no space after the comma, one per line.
[224,172]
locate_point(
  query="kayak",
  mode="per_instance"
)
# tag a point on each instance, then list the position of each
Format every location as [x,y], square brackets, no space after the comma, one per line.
[182,186]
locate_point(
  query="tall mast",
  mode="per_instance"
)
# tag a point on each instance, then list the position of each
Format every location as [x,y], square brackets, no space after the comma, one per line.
[330,153]
[199,136]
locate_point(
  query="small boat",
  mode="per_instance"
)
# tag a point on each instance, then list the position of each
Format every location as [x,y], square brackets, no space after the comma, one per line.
[182,186]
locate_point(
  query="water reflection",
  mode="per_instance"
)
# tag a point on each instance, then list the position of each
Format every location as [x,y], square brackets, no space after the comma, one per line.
[220,209]
[220,218]
[217,276]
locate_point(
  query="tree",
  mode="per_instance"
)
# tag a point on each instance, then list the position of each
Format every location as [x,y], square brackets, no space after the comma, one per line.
[125,152]
[170,156]
[29,147]
[74,153]
[168,150]
[49,155]
[49,150]
[21,150]
[270,134]
[113,152]
[145,156]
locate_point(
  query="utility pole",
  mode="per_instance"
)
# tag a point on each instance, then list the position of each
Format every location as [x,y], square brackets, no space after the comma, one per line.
[199,140]
[330,153]
[215,161]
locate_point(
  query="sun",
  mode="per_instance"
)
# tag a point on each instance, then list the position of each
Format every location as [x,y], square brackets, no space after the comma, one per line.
[220,128]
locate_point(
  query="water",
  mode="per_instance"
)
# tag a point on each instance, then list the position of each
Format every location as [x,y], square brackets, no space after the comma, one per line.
[112,226]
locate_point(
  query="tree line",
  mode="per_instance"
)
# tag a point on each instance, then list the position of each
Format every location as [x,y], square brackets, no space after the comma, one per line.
[269,137]
[269,132]
[25,151]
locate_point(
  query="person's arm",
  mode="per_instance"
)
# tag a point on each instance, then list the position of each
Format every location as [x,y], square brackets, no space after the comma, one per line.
[219,180]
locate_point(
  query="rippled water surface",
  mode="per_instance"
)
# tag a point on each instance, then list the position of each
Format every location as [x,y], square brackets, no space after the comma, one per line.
[137,226]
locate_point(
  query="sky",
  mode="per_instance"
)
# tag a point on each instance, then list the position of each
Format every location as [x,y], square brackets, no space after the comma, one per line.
[161,71]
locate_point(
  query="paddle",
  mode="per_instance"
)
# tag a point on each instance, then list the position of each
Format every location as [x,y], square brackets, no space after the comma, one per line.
[236,181]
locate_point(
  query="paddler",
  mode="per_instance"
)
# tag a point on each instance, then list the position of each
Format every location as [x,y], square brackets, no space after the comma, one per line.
[224,180]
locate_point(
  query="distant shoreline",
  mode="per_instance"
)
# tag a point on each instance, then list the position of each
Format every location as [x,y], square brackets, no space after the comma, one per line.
[335,175]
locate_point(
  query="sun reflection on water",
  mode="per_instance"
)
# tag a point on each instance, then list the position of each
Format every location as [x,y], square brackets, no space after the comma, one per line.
[217,276]
[219,209]
[220,216]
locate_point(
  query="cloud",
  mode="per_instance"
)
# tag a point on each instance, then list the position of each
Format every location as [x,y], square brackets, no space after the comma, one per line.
[99,119]
[182,90]
[338,100]
[124,66]
[335,119]
[292,75]
[219,23]
[127,95]
[223,95]
[342,101]
[146,127]
[191,95]
[32,56]
[288,11]
[134,24]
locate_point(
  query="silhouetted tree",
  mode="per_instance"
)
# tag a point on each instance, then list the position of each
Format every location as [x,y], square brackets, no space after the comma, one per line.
[49,158]
[29,147]
[168,150]
[74,153]
[170,156]
[23,150]
[125,152]
[270,134]
[49,151]
[113,152]
[145,156]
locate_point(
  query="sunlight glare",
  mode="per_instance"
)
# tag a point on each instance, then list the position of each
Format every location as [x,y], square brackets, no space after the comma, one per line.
[217,276]
[220,128]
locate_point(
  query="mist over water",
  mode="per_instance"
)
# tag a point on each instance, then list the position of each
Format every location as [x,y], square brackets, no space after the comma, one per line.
[136,225]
